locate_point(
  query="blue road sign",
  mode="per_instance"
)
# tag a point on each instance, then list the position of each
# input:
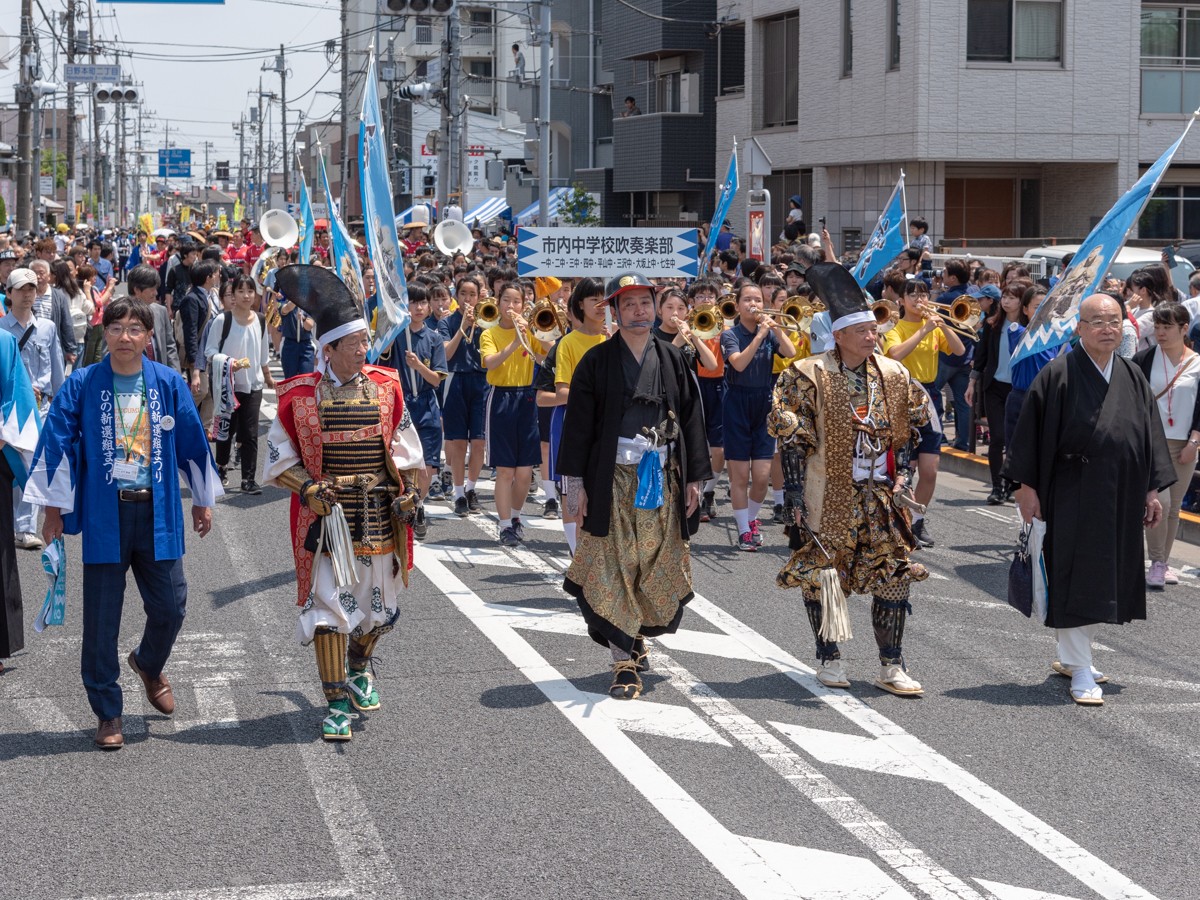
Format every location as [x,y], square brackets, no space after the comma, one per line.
[174,163]
[85,74]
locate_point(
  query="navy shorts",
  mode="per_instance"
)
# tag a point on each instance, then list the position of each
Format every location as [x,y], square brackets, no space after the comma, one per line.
[427,417]
[559,413]
[465,409]
[712,393]
[745,423]
[512,428]
[545,413]
[931,438]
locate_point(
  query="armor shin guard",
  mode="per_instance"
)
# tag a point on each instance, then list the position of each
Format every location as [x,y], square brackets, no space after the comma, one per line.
[361,648]
[889,609]
[331,662]
[826,650]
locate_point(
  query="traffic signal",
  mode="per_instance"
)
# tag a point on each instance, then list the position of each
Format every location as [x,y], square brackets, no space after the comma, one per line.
[222,171]
[421,7]
[116,95]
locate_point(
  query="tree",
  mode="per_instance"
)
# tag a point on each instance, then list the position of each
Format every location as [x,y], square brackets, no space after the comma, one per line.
[579,208]
[48,167]
[3,213]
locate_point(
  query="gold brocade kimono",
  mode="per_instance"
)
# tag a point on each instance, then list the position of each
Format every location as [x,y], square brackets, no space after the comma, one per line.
[867,536]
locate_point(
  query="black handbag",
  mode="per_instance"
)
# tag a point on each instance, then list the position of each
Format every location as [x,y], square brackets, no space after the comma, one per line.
[1020,576]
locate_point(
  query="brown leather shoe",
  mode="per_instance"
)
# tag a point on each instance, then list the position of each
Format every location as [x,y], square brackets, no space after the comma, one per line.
[108,734]
[158,690]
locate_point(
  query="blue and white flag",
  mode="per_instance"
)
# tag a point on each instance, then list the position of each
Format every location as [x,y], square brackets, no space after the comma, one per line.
[308,224]
[379,217]
[345,259]
[1054,322]
[888,238]
[727,192]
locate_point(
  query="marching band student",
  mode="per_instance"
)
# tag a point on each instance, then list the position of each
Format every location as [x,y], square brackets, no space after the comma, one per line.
[749,347]
[420,357]
[916,341]
[799,339]
[673,328]
[512,421]
[441,304]
[712,395]
[586,306]
[467,391]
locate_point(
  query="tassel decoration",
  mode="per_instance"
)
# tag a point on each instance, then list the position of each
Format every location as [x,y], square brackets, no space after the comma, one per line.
[835,615]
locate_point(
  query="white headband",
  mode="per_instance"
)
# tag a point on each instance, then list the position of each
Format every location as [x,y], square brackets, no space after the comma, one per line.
[857,318]
[341,331]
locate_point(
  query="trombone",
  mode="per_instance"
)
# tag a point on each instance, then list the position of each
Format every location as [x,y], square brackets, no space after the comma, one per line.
[487,313]
[801,312]
[702,320]
[887,314]
[727,304]
[547,321]
[962,316]
[783,319]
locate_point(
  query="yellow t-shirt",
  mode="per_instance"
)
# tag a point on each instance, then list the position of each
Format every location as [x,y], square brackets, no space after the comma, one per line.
[570,350]
[922,363]
[517,370]
[803,350]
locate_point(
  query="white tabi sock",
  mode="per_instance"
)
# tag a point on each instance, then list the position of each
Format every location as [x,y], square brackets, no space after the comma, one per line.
[753,508]
[710,486]
[460,492]
[470,486]
[569,531]
[548,487]
[778,497]
[742,517]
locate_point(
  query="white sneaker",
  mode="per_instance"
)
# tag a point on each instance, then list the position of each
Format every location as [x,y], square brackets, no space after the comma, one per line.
[895,680]
[1157,576]
[28,541]
[833,674]
[1171,577]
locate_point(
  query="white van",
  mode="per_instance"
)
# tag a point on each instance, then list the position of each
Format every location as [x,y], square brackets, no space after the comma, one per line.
[1127,260]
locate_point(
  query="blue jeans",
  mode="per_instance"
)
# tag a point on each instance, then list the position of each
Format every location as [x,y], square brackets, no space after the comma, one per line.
[296,357]
[958,377]
[164,598]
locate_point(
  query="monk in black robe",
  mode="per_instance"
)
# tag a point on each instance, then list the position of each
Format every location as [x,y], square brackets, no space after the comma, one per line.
[632,399]
[1090,454]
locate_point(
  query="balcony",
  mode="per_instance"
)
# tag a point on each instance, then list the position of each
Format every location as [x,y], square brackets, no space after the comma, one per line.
[654,152]
[523,98]
[476,37]
[423,33]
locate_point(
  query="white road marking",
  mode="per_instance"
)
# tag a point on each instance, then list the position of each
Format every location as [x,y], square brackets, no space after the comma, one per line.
[214,704]
[851,750]
[908,860]
[45,716]
[553,620]
[474,556]
[734,858]
[1057,847]
[1008,892]
[711,644]
[661,719]
[1189,686]
[303,891]
[269,411]
[999,517]
[821,875]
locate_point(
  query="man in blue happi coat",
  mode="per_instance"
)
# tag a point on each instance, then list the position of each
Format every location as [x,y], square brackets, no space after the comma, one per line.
[19,424]
[105,467]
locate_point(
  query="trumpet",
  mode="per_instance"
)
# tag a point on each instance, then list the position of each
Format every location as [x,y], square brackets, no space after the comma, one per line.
[887,314]
[783,319]
[523,332]
[547,321]
[702,320]
[727,304]
[963,326]
[801,312]
[487,313]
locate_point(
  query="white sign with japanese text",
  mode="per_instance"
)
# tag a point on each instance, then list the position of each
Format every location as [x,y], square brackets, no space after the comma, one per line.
[654,252]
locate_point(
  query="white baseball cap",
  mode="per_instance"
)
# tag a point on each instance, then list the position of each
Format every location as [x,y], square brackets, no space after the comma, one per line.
[21,277]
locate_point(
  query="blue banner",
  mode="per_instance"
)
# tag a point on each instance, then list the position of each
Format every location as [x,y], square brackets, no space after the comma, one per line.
[379,218]
[345,260]
[727,192]
[887,240]
[1054,322]
[308,225]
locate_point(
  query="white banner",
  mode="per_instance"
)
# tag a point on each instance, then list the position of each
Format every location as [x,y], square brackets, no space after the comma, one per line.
[654,252]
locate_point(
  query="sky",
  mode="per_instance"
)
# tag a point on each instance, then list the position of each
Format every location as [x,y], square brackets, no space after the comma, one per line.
[198,65]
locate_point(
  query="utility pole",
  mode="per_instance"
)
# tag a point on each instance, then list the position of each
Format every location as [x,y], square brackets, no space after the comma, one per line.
[258,174]
[71,123]
[119,140]
[97,161]
[25,119]
[240,127]
[345,110]
[137,179]
[544,115]
[449,180]
[287,188]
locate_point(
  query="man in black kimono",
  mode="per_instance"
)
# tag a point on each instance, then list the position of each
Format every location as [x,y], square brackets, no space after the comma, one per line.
[633,454]
[1091,457]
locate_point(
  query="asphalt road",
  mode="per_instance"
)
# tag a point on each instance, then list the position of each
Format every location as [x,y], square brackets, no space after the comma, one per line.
[497,768]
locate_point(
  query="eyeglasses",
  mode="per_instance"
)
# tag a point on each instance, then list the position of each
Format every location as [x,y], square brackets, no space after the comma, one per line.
[134,331]
[1104,324]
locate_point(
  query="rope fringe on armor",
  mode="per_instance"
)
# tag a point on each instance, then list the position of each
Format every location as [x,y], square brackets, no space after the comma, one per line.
[835,615]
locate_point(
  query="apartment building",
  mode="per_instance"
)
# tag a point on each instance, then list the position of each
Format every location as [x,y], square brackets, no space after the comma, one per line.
[1012,119]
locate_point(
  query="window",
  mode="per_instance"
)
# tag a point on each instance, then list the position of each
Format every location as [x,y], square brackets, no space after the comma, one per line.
[847,37]
[1007,31]
[1173,213]
[423,33]
[1170,60]
[665,74]
[780,88]
[477,30]
[893,34]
